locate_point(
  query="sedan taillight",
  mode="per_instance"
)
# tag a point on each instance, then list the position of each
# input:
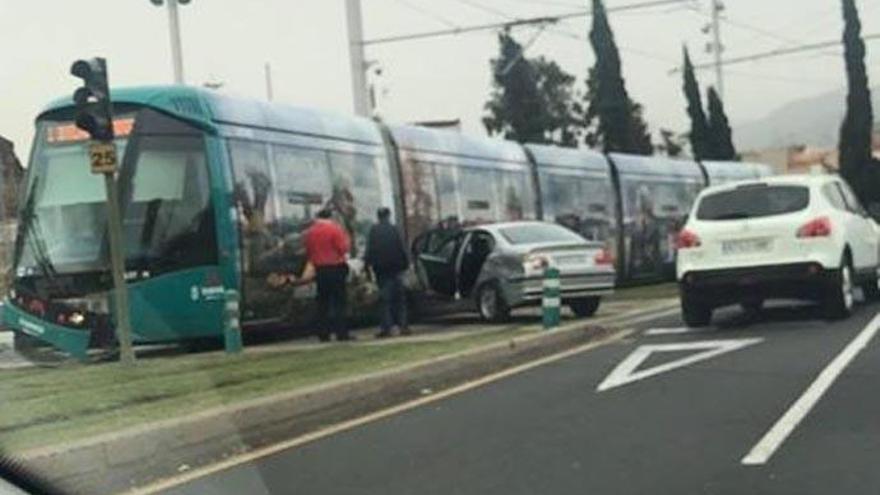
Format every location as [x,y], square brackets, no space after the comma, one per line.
[819,227]
[604,257]
[687,239]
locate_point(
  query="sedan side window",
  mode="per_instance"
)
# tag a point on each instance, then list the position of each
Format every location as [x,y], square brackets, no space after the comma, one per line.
[447,250]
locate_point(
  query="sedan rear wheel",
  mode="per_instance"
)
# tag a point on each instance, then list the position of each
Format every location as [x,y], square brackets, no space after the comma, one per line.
[585,307]
[491,304]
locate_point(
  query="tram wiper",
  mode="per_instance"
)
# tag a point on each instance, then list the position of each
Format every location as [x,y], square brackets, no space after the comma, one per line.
[31,232]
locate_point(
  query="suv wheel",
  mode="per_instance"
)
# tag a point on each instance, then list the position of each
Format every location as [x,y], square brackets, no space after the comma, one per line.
[491,304]
[585,307]
[694,314]
[840,300]
[871,288]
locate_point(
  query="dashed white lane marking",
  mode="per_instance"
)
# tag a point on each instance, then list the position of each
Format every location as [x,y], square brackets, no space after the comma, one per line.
[626,372]
[773,439]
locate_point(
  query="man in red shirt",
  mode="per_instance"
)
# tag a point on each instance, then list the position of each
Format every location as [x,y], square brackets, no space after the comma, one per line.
[327,246]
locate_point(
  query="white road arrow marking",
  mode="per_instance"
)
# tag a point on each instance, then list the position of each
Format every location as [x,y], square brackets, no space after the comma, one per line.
[626,373]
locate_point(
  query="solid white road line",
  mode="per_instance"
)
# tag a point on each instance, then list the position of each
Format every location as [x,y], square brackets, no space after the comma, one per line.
[773,439]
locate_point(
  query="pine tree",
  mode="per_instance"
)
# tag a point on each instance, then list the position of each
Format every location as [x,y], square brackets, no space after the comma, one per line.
[856,163]
[720,134]
[699,134]
[532,99]
[619,123]
[515,102]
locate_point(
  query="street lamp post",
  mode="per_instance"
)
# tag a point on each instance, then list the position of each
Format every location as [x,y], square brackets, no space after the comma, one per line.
[174,32]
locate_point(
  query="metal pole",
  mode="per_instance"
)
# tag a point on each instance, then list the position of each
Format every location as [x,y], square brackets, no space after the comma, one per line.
[270,95]
[176,50]
[117,263]
[717,47]
[359,89]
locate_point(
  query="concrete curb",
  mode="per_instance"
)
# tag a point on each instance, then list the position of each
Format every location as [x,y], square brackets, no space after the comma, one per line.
[118,461]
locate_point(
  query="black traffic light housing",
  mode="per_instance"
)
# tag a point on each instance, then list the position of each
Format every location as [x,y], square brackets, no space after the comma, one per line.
[94,113]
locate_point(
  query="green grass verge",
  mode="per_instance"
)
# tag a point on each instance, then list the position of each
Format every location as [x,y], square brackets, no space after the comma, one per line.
[40,407]
[656,291]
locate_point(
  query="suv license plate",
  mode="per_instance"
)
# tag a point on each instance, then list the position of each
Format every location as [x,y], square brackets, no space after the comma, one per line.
[745,246]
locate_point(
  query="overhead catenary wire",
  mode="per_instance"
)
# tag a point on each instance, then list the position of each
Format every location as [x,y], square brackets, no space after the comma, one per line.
[516,22]
[777,53]
[559,32]
[427,13]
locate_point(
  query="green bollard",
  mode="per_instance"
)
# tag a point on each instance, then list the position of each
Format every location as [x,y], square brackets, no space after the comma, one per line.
[551,302]
[231,323]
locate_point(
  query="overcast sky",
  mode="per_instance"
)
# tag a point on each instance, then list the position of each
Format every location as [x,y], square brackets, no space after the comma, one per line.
[305,41]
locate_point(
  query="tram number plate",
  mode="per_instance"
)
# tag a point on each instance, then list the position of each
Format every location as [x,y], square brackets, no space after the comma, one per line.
[103,158]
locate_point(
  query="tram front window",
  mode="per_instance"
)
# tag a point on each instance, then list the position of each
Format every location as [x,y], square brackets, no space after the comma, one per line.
[167,215]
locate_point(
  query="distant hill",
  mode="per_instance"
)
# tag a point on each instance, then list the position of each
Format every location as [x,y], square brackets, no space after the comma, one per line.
[813,121]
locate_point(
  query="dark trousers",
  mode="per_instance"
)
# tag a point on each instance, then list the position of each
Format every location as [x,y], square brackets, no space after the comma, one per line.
[392,296]
[331,301]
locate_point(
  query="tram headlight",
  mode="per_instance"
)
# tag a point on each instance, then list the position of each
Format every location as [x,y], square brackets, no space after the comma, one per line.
[77,318]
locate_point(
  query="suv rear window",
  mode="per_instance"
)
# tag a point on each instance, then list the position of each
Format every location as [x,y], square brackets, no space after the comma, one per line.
[753,201]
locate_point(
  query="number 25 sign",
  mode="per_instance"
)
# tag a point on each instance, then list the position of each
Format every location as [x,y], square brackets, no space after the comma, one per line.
[103,158]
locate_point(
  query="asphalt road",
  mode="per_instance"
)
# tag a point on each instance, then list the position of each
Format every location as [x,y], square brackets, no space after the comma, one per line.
[685,430]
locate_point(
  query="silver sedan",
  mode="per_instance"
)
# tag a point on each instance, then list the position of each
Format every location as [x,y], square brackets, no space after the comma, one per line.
[501,266]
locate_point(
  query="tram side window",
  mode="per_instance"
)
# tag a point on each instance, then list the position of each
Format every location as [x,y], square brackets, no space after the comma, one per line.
[355,195]
[303,186]
[447,189]
[478,195]
[653,213]
[170,221]
[255,200]
[420,194]
[515,193]
[254,190]
[583,204]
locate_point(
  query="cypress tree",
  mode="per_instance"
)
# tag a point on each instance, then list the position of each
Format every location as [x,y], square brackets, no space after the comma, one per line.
[620,126]
[699,134]
[720,135]
[855,133]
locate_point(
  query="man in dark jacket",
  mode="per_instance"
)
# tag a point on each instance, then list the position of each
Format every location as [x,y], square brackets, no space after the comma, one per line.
[386,256]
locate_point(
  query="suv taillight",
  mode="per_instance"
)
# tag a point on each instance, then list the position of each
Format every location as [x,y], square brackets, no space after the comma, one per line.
[687,239]
[819,227]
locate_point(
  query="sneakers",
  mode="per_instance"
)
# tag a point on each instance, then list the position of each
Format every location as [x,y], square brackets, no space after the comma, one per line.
[384,334]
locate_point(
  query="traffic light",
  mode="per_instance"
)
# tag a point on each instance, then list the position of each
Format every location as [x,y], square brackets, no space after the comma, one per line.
[94,113]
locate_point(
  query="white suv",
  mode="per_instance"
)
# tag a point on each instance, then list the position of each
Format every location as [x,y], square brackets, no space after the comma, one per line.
[800,237]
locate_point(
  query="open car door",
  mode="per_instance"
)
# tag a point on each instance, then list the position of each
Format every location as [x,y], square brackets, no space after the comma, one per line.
[437,266]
